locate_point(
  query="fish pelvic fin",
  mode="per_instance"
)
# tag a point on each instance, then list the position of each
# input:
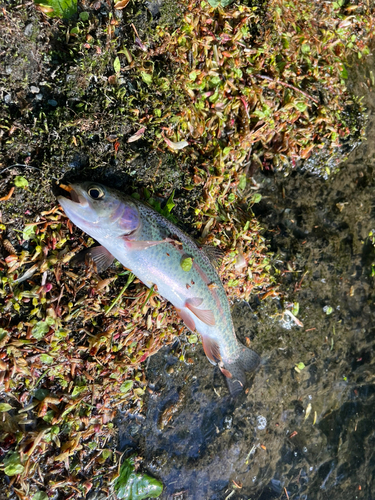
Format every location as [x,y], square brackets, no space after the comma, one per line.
[235,371]
[189,322]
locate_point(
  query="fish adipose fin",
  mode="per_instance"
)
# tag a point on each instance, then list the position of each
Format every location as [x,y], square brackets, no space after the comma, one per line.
[246,361]
[211,350]
[100,256]
[205,315]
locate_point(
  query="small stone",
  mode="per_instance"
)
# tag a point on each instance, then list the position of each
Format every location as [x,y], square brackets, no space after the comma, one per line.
[262,422]
[28,30]
[52,102]
[8,99]
[34,89]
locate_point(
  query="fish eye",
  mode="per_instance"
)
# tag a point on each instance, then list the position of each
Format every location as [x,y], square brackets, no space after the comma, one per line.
[95,192]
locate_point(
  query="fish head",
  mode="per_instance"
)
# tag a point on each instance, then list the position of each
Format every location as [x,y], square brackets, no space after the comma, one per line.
[99,211]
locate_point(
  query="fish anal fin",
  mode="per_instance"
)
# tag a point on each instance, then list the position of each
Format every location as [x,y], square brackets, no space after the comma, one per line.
[211,349]
[205,315]
[99,255]
[186,318]
[225,372]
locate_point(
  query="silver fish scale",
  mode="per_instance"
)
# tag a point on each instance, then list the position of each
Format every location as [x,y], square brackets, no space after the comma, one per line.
[156,227]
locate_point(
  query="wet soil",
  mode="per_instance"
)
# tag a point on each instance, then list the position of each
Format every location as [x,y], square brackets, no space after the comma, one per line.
[306,434]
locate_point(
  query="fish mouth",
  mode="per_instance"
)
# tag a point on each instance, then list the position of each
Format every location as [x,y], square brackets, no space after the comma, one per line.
[71,194]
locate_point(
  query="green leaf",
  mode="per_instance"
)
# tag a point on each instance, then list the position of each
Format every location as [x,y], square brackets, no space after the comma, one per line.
[12,463]
[242,183]
[117,65]
[193,338]
[146,77]
[169,205]
[40,329]
[344,73]
[301,106]
[300,365]
[126,386]
[21,182]
[305,48]
[3,334]
[106,454]
[40,394]
[45,358]
[132,486]
[84,16]
[40,495]
[187,263]
[193,75]
[295,309]
[78,389]
[57,8]
[256,198]
[5,407]
[223,3]
[28,233]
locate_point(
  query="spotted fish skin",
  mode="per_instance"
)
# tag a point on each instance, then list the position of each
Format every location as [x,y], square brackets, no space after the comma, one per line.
[155,249]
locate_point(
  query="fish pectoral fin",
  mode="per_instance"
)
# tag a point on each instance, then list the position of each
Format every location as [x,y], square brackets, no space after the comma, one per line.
[211,349]
[205,315]
[143,245]
[186,318]
[100,256]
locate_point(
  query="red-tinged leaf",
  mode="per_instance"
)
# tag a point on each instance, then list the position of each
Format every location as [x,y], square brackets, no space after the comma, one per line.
[176,145]
[137,135]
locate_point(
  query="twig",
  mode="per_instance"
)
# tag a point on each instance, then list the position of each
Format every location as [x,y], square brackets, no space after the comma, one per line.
[264,77]
[130,279]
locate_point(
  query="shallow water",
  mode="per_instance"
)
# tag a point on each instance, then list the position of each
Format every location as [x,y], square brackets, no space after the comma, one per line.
[307,435]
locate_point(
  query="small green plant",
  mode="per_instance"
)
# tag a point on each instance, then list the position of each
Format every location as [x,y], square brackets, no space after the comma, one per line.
[57,8]
[134,486]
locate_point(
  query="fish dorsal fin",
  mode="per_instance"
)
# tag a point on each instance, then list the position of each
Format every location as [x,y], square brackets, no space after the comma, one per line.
[211,349]
[99,255]
[186,318]
[214,254]
[205,315]
[143,245]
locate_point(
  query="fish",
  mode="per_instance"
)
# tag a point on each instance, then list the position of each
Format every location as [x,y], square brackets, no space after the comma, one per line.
[160,254]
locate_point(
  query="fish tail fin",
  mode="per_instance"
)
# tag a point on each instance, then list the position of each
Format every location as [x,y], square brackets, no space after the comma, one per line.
[235,371]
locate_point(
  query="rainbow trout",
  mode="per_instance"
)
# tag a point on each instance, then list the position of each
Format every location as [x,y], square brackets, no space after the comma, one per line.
[160,254]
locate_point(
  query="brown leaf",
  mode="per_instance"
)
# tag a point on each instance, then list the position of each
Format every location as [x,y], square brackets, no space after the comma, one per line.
[122,4]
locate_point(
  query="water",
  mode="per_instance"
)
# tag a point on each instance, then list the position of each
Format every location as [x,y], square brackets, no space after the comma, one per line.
[305,435]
